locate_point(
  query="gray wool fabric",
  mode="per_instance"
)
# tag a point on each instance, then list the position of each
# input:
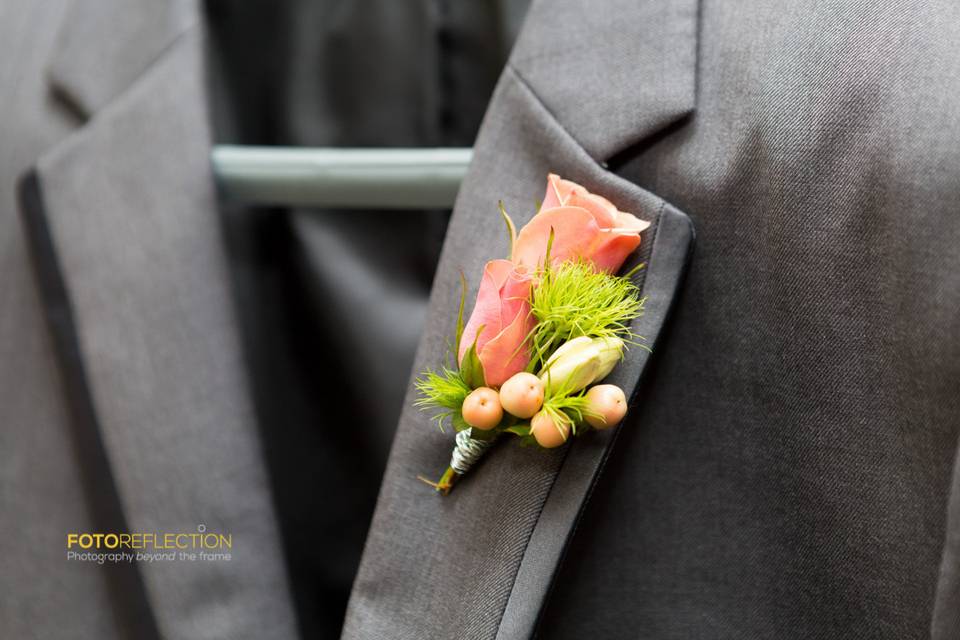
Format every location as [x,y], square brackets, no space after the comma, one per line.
[131,215]
[105,46]
[37,463]
[129,407]
[332,302]
[786,468]
[946,617]
[504,524]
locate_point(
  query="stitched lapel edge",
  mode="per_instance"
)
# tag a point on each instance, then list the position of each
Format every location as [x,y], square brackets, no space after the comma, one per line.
[945,619]
[574,484]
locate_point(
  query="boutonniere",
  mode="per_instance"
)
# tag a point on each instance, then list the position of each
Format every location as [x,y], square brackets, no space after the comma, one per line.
[549,323]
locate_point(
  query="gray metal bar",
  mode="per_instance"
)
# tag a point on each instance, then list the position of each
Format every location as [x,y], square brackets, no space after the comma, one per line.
[339,177]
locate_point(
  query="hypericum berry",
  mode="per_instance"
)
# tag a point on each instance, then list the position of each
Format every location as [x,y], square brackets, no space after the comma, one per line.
[549,432]
[522,395]
[607,404]
[481,409]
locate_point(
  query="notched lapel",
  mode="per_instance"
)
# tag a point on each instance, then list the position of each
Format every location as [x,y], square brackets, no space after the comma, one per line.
[605,85]
[479,563]
[105,45]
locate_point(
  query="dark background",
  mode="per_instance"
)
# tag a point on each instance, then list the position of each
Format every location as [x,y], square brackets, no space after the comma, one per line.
[331,302]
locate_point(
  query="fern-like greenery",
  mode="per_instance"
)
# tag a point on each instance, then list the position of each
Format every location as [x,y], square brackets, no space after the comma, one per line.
[444,390]
[568,409]
[573,299]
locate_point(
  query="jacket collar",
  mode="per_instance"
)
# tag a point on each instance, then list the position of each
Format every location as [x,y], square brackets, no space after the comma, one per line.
[105,45]
[610,89]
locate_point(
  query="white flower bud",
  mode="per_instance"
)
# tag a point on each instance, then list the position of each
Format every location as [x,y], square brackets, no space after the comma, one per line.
[581,362]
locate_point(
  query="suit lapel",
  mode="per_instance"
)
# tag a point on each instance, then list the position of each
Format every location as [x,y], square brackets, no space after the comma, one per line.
[129,236]
[667,253]
[946,614]
[479,563]
[606,85]
[105,45]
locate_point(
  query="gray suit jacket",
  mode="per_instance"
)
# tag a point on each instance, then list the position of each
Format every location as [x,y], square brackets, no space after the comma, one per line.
[135,415]
[786,465]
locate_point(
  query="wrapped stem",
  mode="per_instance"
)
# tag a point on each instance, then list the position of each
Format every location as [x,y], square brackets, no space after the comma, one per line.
[466,452]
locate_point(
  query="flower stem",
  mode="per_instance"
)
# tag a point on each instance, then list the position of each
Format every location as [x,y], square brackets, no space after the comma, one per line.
[446,482]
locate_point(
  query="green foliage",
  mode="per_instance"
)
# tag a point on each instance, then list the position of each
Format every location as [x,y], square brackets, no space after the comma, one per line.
[463,300]
[459,424]
[568,409]
[573,299]
[444,390]
[511,228]
[471,369]
[522,429]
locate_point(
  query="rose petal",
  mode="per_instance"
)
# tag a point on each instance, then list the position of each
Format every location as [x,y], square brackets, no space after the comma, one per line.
[584,225]
[558,190]
[486,310]
[629,221]
[612,249]
[506,354]
[603,212]
[575,232]
[514,295]
[606,204]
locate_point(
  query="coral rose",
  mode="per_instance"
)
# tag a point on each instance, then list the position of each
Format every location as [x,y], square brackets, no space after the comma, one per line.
[501,322]
[584,224]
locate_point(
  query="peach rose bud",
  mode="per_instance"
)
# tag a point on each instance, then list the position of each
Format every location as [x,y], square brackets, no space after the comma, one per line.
[584,225]
[580,362]
[500,322]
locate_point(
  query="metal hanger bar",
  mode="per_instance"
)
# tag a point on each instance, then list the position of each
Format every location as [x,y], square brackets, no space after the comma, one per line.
[341,177]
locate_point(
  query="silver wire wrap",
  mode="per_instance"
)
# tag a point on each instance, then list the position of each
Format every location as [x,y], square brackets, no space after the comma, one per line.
[467,451]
